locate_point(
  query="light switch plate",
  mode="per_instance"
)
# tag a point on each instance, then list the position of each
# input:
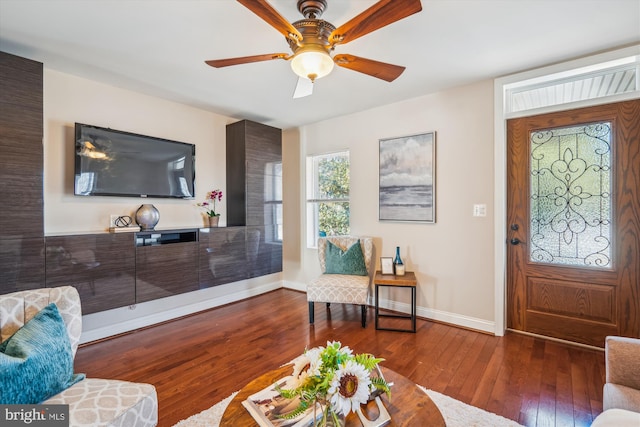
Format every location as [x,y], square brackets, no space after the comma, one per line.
[480,210]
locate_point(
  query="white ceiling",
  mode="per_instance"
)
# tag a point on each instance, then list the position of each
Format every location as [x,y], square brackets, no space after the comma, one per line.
[158,47]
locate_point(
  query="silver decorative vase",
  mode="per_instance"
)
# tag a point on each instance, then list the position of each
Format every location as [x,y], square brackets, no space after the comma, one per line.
[147,216]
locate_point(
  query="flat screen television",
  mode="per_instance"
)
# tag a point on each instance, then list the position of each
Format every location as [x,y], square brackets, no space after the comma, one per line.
[115,163]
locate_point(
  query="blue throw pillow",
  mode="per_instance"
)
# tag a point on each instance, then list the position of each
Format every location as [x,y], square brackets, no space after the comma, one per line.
[350,261]
[36,362]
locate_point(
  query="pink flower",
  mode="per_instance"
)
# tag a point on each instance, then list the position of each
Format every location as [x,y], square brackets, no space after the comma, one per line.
[215,194]
[210,208]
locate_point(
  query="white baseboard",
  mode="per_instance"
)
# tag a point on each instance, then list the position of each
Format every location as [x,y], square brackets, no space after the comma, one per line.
[295,286]
[441,316]
[423,312]
[171,313]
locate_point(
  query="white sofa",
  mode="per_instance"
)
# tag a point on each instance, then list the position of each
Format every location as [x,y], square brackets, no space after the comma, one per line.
[621,392]
[92,402]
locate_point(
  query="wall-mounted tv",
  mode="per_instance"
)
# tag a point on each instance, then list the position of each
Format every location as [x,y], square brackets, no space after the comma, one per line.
[115,163]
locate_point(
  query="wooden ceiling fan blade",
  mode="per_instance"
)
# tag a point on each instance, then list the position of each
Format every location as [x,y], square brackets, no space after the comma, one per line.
[219,63]
[264,10]
[382,13]
[380,70]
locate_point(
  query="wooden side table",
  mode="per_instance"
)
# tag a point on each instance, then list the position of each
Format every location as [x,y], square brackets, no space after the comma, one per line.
[407,281]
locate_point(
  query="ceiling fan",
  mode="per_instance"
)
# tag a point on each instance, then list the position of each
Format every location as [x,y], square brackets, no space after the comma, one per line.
[312,40]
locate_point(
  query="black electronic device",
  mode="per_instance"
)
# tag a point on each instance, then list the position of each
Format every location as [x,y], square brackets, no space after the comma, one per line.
[115,163]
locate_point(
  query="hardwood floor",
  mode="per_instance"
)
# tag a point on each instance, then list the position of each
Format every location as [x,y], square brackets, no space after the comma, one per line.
[196,361]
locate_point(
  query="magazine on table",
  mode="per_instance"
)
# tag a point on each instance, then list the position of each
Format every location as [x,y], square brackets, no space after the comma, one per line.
[267,405]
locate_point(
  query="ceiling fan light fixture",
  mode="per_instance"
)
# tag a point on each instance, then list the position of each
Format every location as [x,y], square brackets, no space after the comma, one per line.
[312,63]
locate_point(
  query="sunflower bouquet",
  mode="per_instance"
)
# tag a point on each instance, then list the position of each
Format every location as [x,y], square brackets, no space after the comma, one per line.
[336,379]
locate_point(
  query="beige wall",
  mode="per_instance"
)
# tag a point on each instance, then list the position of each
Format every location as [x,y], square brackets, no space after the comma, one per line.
[69,99]
[453,258]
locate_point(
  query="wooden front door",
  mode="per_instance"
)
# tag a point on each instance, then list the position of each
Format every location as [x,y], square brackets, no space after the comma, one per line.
[573,218]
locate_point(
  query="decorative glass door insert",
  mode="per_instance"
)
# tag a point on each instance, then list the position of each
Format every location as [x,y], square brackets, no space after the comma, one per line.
[570,200]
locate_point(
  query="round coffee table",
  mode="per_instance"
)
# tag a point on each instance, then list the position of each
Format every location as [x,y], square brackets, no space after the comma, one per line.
[409,406]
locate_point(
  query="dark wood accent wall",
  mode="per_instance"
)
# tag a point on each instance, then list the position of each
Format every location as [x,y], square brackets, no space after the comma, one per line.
[251,147]
[236,170]
[254,188]
[101,266]
[263,151]
[230,254]
[21,147]
[168,268]
[267,258]
[21,222]
[21,264]
[223,256]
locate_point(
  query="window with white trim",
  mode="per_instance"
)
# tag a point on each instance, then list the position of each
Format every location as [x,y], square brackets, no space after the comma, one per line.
[327,196]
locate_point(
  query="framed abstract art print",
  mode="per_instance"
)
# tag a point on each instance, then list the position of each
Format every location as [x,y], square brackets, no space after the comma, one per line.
[407,178]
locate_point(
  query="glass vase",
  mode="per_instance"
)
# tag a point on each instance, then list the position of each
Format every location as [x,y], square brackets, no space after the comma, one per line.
[329,417]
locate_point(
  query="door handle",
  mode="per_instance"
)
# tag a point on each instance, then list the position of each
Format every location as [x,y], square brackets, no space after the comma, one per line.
[516,241]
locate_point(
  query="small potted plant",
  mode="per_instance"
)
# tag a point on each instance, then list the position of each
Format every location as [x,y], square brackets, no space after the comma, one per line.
[209,206]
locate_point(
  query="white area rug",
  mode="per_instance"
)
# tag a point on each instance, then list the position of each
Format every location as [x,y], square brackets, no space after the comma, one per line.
[459,414]
[455,413]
